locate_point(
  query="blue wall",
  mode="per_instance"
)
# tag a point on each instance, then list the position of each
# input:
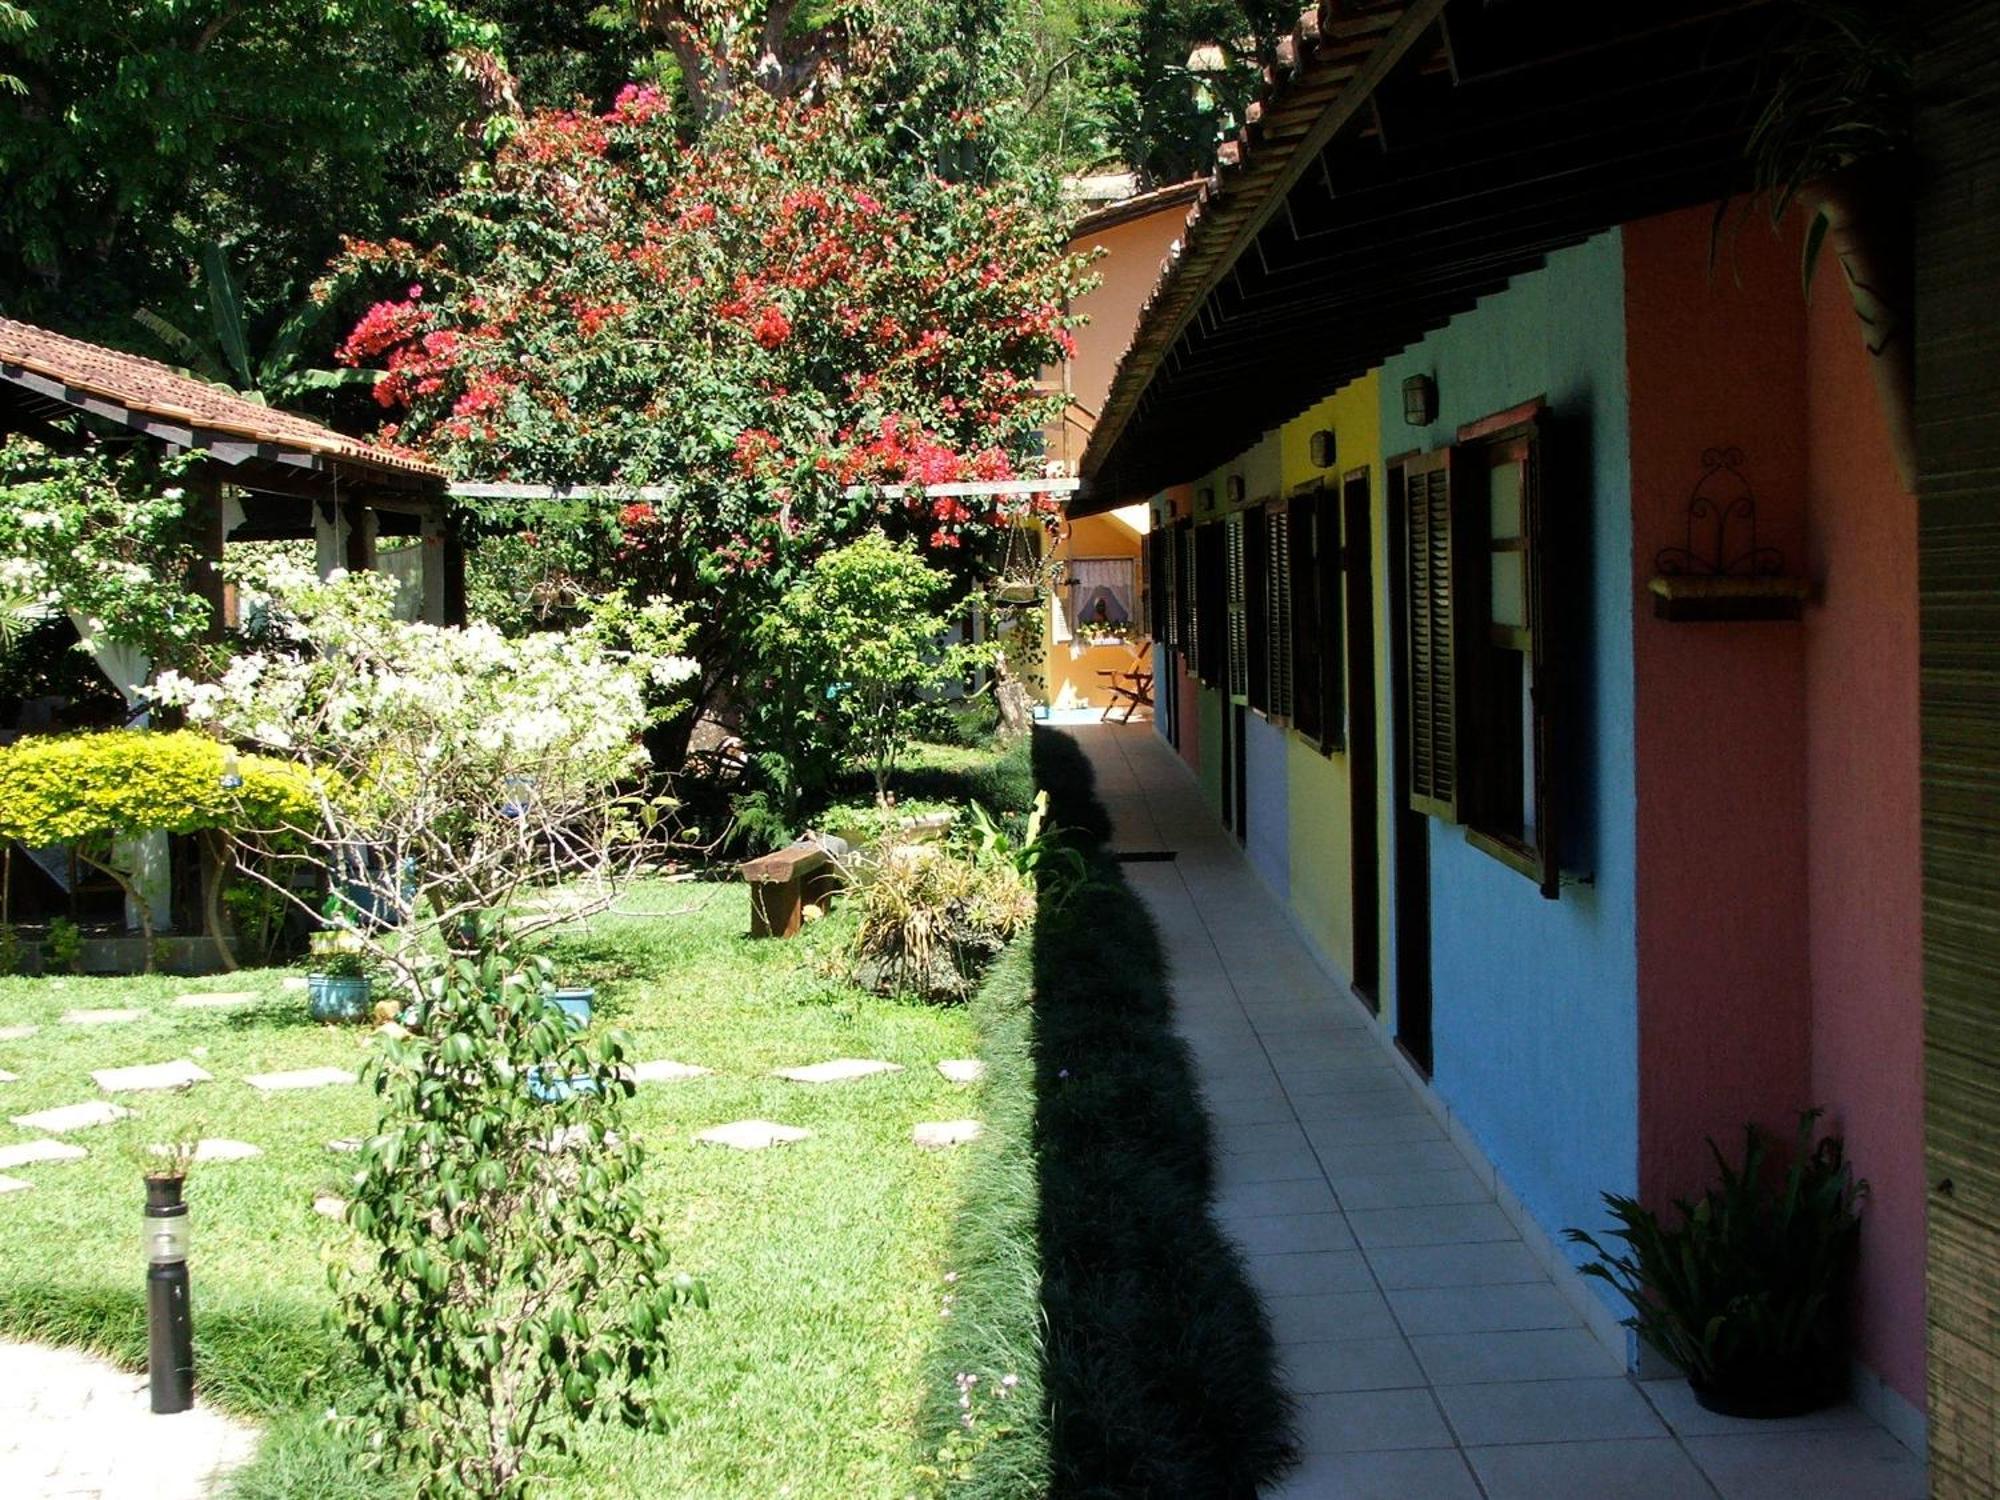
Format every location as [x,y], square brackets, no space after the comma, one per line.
[1535,1002]
[1268,837]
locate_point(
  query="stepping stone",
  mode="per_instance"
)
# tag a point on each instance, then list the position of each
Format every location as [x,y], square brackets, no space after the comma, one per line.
[346,1145]
[167,1075]
[963,1069]
[13,1185]
[752,1135]
[293,982]
[6,1077]
[330,1206]
[840,1070]
[217,1150]
[220,1000]
[72,1117]
[664,1070]
[17,1033]
[101,1017]
[302,1078]
[939,1134]
[29,1152]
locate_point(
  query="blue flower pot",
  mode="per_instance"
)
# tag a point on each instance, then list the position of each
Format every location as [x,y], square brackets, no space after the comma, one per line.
[576,1004]
[338,997]
[552,1088]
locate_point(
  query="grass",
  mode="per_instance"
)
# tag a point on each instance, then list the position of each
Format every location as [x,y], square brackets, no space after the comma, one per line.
[823,1259]
[1087,1261]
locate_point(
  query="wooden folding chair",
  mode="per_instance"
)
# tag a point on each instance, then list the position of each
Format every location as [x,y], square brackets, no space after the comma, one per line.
[1131,687]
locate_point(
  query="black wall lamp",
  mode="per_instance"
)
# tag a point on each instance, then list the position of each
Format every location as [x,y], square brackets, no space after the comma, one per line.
[1324,450]
[1420,400]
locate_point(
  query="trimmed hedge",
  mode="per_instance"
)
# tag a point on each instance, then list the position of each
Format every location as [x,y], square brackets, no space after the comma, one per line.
[1087,1264]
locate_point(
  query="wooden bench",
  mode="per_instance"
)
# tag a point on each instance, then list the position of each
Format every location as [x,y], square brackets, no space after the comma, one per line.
[784,883]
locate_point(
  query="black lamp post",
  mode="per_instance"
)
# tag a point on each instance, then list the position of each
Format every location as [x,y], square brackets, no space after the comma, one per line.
[169,1326]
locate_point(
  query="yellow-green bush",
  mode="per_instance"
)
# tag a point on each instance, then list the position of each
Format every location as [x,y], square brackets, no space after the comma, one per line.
[90,788]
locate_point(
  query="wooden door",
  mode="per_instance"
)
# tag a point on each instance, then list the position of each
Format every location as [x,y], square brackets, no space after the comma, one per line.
[1358,564]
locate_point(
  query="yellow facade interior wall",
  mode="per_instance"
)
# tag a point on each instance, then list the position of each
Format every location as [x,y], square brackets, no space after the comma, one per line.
[1321,839]
[1071,674]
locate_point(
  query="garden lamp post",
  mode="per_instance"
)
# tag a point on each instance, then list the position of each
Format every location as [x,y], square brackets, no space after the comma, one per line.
[169,1326]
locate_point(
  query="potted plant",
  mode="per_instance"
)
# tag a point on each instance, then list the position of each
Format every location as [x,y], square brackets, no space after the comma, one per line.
[575,1002]
[340,982]
[1747,1293]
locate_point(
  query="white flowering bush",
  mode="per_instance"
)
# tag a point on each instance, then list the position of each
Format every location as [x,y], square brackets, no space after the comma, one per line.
[467,764]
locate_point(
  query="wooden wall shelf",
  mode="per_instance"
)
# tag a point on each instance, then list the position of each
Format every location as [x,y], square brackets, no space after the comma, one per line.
[1692,597]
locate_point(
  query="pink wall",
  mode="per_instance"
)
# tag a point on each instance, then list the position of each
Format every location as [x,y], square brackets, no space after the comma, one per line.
[1864,877]
[1724,1000]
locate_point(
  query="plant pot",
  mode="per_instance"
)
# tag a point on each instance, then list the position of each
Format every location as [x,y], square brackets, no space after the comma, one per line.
[576,1003]
[338,997]
[1869,236]
[1770,1399]
[553,1088]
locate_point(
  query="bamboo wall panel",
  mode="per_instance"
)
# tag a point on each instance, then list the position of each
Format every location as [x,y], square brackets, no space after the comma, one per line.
[1958,380]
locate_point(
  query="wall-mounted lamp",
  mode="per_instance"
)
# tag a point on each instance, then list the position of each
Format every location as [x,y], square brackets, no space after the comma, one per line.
[1235,489]
[1325,452]
[1204,500]
[1420,401]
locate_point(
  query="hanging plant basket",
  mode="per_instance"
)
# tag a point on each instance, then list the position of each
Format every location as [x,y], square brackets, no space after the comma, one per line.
[1017,595]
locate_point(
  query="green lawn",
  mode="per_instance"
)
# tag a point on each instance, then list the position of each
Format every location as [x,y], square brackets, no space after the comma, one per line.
[824,1260]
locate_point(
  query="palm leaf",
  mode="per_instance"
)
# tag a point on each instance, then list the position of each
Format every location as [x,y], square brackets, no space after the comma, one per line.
[226,309]
[192,355]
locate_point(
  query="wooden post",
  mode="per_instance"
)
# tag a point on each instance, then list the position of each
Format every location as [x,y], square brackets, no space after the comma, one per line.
[434,560]
[361,521]
[205,513]
[454,573]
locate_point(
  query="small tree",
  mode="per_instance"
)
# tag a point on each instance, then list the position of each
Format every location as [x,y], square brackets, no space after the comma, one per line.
[515,1275]
[850,653]
[96,791]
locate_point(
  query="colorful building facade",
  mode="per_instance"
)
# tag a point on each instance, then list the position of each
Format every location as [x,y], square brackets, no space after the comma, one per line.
[1618,858]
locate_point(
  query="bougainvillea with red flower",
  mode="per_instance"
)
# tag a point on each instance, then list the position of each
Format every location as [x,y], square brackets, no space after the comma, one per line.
[750,326]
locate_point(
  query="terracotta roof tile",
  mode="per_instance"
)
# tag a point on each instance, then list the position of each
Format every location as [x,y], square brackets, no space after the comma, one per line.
[149,387]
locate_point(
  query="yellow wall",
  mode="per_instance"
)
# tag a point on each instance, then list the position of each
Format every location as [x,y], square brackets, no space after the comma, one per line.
[1320,838]
[1072,681]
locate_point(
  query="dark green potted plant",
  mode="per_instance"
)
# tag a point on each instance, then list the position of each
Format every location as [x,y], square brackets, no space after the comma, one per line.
[1748,1293]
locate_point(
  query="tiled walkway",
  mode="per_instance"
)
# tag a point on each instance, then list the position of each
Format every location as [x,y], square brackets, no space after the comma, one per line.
[1432,1356]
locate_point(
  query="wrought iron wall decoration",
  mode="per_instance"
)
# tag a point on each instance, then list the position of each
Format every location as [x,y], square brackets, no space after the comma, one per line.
[1721,571]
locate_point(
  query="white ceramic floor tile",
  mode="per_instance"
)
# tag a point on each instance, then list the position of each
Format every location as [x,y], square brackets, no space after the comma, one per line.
[1446,1224]
[1416,1474]
[1285,1164]
[1351,1364]
[1622,1469]
[1549,1411]
[1359,1313]
[1289,1234]
[1285,1196]
[1310,1274]
[1854,1465]
[1482,1309]
[1675,1401]
[1410,1189]
[1530,1354]
[1370,1421]
[1490,1263]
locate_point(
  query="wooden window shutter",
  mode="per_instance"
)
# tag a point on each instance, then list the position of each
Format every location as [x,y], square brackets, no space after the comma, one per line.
[1238,624]
[1157,610]
[1329,561]
[1278,609]
[1432,718]
[1183,565]
[1212,612]
[1302,594]
[1257,607]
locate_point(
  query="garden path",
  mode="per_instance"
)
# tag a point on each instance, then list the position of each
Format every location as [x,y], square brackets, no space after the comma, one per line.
[76,1427]
[1430,1352]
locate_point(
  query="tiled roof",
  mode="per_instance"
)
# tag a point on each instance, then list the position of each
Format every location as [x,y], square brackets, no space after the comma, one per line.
[1138,206]
[1335,45]
[149,388]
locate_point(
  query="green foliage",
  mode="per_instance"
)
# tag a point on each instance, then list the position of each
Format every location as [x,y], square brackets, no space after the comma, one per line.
[933,918]
[1748,1292]
[101,533]
[62,946]
[10,949]
[1039,854]
[516,1275]
[848,655]
[1086,1260]
[92,788]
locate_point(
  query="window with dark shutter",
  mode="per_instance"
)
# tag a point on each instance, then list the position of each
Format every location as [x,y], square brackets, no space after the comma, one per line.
[1212,612]
[1183,575]
[1278,610]
[1431,712]
[1505,633]
[1307,631]
[1238,664]
[1329,568]
[1257,608]
[1153,601]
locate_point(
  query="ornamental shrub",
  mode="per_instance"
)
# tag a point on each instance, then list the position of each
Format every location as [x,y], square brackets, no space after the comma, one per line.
[97,790]
[849,655]
[514,1276]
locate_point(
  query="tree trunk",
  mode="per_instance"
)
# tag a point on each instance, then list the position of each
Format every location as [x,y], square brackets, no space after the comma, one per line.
[1868,233]
[217,859]
[1017,715]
